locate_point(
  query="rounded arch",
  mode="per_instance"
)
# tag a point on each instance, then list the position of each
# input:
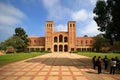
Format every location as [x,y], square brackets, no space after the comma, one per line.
[60,38]
[60,48]
[55,39]
[55,48]
[65,39]
[65,48]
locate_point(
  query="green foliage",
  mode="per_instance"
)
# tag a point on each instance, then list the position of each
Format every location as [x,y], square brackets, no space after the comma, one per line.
[92,54]
[19,40]
[108,18]
[9,58]
[19,32]
[100,42]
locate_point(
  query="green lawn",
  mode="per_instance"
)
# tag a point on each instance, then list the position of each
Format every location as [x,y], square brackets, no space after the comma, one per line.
[91,54]
[9,58]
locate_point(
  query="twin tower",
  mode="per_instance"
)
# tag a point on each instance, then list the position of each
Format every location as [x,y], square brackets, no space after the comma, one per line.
[60,41]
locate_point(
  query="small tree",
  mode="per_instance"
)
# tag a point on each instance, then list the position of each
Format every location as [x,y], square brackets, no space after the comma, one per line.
[20,32]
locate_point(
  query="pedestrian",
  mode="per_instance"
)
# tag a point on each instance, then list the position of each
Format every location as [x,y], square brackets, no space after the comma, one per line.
[117,63]
[99,64]
[105,60]
[94,61]
[112,66]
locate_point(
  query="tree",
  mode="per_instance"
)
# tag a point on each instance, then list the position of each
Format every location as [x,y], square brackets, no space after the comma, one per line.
[108,18]
[20,32]
[85,36]
[14,42]
[100,43]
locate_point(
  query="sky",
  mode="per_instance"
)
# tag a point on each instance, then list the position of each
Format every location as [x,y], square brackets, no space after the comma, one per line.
[31,15]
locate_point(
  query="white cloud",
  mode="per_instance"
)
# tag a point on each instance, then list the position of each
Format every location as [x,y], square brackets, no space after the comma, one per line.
[80,15]
[93,2]
[9,17]
[61,27]
[90,29]
[56,11]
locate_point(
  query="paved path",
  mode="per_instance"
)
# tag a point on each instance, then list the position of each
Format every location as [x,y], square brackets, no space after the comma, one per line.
[54,66]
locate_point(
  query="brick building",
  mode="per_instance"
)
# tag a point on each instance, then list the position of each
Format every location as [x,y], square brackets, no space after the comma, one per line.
[60,41]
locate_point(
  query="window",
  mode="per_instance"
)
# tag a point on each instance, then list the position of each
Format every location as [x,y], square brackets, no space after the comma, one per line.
[35,41]
[91,42]
[81,42]
[55,39]
[65,39]
[49,25]
[86,42]
[73,25]
[70,25]
[60,38]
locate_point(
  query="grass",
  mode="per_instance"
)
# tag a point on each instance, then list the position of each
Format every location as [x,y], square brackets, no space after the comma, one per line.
[91,54]
[9,58]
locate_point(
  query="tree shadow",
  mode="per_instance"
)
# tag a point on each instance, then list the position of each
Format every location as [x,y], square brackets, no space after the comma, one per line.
[79,63]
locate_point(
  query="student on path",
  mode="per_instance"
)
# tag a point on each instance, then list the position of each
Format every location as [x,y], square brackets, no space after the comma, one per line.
[105,60]
[99,64]
[112,66]
[94,60]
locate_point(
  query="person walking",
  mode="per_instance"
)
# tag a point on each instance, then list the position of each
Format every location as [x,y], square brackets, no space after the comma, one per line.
[94,61]
[112,66]
[99,64]
[105,60]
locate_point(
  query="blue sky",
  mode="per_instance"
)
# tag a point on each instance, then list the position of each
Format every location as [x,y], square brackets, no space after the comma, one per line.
[32,14]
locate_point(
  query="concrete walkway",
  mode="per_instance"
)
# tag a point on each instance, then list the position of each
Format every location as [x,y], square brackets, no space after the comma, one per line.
[54,66]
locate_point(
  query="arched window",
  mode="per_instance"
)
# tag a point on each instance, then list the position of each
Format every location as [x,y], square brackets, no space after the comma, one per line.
[91,41]
[55,48]
[60,48]
[55,39]
[65,39]
[65,48]
[60,38]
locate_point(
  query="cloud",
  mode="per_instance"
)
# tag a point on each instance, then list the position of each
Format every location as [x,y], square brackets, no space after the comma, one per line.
[80,15]
[90,29]
[93,2]
[56,11]
[61,27]
[10,16]
[77,10]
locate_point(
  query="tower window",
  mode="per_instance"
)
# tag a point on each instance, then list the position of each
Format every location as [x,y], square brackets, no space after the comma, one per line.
[49,25]
[73,25]
[70,25]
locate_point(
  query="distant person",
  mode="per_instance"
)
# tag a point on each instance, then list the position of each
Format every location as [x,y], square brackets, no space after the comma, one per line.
[105,60]
[94,61]
[99,64]
[112,66]
[117,63]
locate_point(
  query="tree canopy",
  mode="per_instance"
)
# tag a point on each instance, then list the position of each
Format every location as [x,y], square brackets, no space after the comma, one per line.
[107,17]
[19,40]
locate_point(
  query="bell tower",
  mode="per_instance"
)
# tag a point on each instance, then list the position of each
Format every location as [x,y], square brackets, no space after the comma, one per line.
[71,36]
[49,34]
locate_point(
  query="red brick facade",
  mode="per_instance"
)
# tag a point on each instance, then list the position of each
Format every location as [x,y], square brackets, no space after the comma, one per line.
[60,41]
